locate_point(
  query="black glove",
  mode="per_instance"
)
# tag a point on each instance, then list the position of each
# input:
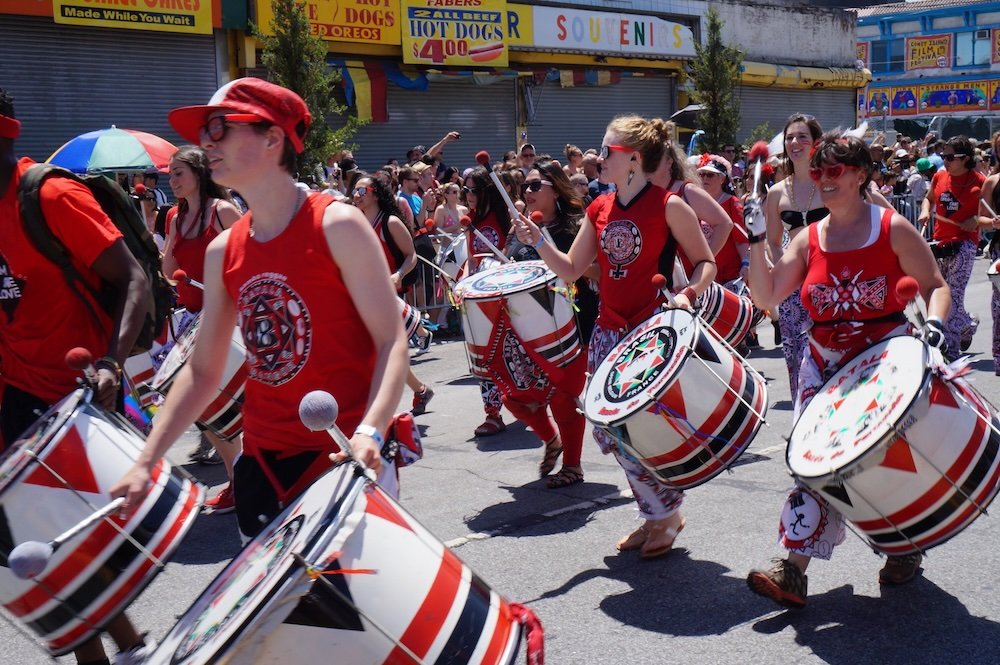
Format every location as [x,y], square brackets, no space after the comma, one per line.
[934,334]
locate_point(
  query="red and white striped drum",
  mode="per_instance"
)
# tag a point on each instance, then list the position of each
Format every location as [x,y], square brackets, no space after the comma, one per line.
[377,588]
[908,456]
[224,415]
[56,474]
[141,368]
[677,399]
[726,313]
[537,302]
[411,317]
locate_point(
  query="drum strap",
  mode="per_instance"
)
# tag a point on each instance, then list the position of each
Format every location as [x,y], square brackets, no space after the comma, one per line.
[290,474]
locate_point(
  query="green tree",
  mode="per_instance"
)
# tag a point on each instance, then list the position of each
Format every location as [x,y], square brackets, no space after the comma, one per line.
[761,132]
[296,59]
[715,71]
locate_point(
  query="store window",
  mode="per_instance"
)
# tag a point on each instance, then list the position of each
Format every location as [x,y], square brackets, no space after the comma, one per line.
[887,55]
[972,48]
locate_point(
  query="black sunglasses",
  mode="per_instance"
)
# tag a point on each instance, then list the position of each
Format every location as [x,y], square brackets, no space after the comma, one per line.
[215,129]
[953,157]
[474,190]
[535,185]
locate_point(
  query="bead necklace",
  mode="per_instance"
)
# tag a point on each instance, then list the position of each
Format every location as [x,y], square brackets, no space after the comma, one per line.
[795,206]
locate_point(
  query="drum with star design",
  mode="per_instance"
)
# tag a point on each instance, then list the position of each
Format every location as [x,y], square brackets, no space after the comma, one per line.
[59,472]
[224,416]
[677,399]
[909,456]
[344,575]
[534,301]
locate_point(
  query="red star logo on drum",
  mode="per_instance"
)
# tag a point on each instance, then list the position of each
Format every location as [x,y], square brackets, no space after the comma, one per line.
[644,361]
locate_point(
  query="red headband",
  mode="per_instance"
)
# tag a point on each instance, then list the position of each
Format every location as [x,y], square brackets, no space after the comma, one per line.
[9,127]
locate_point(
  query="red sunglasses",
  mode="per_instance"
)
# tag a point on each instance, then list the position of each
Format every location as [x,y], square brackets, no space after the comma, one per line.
[831,171]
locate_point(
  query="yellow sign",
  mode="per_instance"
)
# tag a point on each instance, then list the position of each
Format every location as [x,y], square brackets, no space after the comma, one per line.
[367,21]
[928,52]
[862,54]
[159,15]
[454,32]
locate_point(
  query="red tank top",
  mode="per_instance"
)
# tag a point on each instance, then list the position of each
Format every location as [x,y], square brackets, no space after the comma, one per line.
[190,256]
[630,242]
[855,285]
[957,199]
[490,227]
[301,328]
[728,259]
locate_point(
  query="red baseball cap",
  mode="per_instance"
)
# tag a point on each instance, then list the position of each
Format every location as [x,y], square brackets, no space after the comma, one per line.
[273,103]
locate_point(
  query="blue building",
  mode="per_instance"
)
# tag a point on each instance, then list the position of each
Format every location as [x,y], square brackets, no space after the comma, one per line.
[935,65]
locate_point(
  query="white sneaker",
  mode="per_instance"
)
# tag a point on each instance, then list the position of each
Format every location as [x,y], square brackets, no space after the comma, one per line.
[136,655]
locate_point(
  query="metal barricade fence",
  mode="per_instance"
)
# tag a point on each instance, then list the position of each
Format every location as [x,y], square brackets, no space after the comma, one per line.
[433,294]
[907,206]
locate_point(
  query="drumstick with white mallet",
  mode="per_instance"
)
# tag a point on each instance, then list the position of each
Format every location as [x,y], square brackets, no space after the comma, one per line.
[318,412]
[182,276]
[30,558]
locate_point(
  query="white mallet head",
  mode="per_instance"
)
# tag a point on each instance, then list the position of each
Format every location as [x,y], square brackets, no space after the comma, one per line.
[318,410]
[29,559]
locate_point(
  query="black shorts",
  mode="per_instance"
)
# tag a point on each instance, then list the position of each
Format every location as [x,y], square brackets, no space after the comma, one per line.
[22,409]
[256,500]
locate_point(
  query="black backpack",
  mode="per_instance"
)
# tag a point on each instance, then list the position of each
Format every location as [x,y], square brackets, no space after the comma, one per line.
[117,205]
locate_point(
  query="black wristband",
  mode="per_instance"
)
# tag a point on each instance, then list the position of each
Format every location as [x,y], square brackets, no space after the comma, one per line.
[754,239]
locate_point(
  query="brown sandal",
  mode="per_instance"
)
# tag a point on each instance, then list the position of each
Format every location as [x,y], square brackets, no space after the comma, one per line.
[553,449]
[568,475]
[633,541]
[660,538]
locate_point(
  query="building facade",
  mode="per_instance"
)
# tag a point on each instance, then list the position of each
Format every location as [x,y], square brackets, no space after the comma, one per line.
[935,65]
[498,72]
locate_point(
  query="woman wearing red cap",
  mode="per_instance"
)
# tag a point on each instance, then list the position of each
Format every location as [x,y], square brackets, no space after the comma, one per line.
[305,279]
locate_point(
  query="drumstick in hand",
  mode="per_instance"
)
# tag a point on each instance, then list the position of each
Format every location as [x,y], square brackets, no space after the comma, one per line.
[466,222]
[536,217]
[181,276]
[318,412]
[660,284]
[942,218]
[80,359]
[906,293]
[30,558]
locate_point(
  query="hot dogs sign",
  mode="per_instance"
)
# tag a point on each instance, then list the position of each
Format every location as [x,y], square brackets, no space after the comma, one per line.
[454,32]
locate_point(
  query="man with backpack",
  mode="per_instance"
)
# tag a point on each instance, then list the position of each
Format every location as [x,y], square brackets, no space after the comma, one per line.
[44,315]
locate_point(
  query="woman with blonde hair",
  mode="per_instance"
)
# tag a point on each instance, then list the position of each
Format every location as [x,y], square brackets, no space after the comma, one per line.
[651,216]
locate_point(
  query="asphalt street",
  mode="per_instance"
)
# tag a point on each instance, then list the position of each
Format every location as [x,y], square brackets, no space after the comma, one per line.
[554,549]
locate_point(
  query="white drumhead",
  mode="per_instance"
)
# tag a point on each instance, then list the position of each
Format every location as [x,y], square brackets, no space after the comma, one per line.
[858,407]
[641,366]
[37,437]
[505,279]
[249,581]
